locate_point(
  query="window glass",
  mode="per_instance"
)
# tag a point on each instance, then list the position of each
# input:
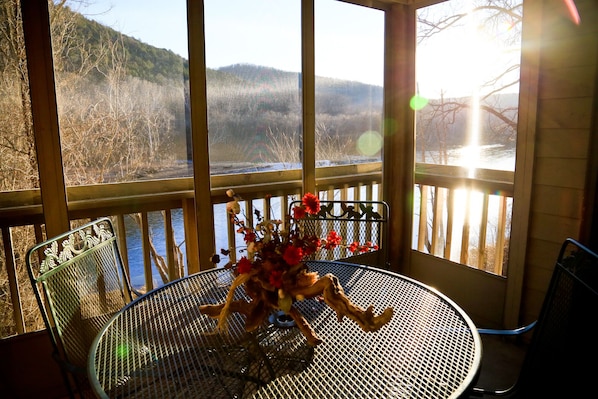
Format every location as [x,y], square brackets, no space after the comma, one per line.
[121,76]
[18,169]
[253,56]
[349,54]
[467,71]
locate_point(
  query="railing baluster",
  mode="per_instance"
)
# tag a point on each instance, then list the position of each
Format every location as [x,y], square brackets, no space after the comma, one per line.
[500,236]
[437,203]
[267,208]
[423,218]
[145,247]
[191,234]
[344,192]
[231,236]
[122,243]
[13,283]
[465,235]
[170,244]
[483,231]
[450,207]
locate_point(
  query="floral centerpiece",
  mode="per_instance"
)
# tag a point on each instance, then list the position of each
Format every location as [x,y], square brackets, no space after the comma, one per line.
[275,276]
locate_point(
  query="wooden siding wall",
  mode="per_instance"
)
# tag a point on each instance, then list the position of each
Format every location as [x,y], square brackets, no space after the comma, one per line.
[565,136]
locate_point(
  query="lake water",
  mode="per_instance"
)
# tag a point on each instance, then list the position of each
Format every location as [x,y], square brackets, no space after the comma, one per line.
[156,223]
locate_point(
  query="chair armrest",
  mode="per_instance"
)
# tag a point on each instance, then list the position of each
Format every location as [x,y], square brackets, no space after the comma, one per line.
[136,294]
[479,391]
[516,331]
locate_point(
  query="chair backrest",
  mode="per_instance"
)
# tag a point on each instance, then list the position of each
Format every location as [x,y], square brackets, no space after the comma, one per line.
[79,281]
[563,349]
[354,221]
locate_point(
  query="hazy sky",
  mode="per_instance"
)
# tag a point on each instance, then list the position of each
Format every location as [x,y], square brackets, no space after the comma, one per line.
[349,38]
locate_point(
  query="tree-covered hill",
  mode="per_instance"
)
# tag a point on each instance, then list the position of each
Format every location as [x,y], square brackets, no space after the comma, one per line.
[352,93]
[157,65]
[141,60]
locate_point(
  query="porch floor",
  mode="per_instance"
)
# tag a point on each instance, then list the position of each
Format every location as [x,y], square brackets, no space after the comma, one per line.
[501,361]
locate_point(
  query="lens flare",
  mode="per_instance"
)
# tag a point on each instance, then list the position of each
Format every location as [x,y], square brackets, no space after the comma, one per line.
[122,350]
[573,12]
[418,102]
[369,143]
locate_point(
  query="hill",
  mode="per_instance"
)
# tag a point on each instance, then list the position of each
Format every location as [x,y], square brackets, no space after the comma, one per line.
[161,65]
[140,59]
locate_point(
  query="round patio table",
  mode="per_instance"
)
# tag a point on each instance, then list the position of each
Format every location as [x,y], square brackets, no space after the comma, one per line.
[161,346]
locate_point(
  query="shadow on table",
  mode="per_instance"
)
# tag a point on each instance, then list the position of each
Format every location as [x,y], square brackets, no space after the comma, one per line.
[220,367]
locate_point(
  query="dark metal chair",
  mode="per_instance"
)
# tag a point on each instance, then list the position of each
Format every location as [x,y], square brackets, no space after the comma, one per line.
[560,359]
[354,221]
[79,282]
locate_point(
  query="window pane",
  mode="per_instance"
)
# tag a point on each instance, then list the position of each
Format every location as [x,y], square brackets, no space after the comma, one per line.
[468,56]
[349,52]
[253,55]
[18,169]
[121,80]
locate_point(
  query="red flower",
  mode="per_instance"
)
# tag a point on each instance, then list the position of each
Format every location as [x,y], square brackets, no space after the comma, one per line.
[353,247]
[311,244]
[275,278]
[292,255]
[249,236]
[332,240]
[311,203]
[298,212]
[244,265]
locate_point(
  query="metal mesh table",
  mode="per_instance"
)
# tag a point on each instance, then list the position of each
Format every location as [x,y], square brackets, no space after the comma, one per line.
[162,346]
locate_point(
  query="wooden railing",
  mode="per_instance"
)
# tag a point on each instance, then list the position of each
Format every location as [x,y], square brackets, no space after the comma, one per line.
[449,199]
[361,181]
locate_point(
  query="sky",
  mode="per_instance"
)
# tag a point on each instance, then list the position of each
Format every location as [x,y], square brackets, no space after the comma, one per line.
[349,38]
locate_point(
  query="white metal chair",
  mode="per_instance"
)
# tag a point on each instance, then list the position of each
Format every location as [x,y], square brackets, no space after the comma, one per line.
[79,282]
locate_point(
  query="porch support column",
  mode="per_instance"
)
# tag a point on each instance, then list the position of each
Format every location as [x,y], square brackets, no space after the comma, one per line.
[399,141]
[38,47]
[199,137]
[308,90]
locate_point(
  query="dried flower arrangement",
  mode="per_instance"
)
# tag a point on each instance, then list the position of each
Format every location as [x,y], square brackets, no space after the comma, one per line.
[274,274]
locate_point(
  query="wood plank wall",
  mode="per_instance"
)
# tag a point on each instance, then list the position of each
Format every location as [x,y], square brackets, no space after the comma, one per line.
[565,136]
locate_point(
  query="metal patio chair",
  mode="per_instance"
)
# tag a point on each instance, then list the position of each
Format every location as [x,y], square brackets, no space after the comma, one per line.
[354,221]
[79,282]
[560,359]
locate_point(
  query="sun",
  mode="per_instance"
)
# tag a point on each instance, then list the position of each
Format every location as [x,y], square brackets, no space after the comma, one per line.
[457,61]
